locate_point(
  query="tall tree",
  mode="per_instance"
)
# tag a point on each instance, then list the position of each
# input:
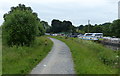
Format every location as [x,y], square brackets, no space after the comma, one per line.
[115,28]
[56,26]
[67,26]
[20,26]
[106,29]
[97,29]
[59,26]
[46,26]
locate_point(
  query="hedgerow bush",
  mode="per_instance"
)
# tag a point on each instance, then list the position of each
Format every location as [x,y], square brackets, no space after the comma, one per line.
[20,26]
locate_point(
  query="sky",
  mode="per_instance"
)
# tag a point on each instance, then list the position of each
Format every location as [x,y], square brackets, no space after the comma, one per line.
[76,11]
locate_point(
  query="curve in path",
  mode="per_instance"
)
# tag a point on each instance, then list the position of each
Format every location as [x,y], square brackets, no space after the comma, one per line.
[58,61]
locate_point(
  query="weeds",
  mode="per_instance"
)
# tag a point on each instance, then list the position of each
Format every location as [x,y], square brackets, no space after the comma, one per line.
[22,59]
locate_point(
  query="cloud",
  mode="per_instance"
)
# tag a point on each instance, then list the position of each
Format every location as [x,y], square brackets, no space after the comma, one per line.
[78,11]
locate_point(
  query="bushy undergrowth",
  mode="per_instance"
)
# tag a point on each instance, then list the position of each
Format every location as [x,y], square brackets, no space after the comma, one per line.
[107,56]
[22,59]
[90,57]
[20,26]
[118,52]
[0,55]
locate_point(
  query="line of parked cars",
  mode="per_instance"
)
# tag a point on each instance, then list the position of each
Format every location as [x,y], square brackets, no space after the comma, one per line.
[86,36]
[55,34]
[91,36]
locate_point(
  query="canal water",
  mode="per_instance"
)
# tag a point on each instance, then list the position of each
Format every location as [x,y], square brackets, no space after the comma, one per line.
[113,47]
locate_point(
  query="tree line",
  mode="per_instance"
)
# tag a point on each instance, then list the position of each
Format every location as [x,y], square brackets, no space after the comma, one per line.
[108,29]
[21,25]
[58,26]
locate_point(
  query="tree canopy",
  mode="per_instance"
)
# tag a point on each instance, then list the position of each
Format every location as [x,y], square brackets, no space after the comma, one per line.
[59,26]
[115,28]
[108,29]
[46,26]
[20,25]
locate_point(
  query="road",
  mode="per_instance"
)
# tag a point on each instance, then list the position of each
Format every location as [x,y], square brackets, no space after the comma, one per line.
[58,61]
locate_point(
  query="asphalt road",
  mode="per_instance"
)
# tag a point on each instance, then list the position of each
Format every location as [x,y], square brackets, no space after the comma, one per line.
[58,61]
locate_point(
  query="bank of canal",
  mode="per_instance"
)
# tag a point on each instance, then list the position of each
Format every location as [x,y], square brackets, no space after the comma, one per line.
[113,43]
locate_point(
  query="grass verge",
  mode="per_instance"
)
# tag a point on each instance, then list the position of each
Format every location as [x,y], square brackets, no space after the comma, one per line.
[0,54]
[90,57]
[21,60]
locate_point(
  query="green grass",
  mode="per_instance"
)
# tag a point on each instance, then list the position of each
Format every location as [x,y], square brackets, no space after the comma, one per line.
[90,57]
[0,54]
[21,60]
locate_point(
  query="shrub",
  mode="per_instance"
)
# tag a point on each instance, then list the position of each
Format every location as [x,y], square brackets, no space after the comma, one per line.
[20,26]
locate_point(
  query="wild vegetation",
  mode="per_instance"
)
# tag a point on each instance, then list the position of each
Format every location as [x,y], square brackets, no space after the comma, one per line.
[46,26]
[0,52]
[23,47]
[22,59]
[58,26]
[92,58]
[20,26]
[108,29]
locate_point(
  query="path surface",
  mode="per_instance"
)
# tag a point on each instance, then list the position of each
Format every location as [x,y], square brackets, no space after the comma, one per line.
[58,61]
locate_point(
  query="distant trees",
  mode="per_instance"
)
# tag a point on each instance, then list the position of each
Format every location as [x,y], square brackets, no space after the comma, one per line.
[109,29]
[92,28]
[21,25]
[41,29]
[97,29]
[46,26]
[115,28]
[106,29]
[59,26]
[56,26]
[67,26]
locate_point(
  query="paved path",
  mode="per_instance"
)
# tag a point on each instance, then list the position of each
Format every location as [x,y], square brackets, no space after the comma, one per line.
[58,61]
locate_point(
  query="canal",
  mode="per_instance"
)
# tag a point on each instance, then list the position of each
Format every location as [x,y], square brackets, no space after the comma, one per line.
[113,47]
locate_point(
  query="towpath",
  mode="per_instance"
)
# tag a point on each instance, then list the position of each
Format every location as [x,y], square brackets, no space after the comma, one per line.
[58,61]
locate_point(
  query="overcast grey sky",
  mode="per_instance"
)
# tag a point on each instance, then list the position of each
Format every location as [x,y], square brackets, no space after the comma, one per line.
[77,11]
